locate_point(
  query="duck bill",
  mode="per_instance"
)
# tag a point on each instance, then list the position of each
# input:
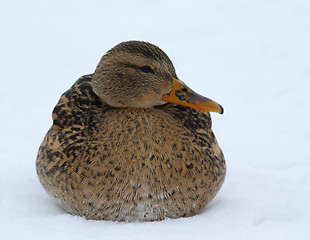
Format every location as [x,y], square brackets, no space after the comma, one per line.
[183,95]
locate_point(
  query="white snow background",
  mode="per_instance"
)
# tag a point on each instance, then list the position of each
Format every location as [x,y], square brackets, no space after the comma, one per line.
[253,57]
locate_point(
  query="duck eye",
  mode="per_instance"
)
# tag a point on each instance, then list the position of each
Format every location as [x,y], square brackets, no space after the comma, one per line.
[146,69]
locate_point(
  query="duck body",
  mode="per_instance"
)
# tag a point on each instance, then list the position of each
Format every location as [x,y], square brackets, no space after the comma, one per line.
[129,164]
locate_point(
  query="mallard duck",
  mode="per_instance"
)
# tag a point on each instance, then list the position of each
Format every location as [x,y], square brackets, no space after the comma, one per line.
[131,142]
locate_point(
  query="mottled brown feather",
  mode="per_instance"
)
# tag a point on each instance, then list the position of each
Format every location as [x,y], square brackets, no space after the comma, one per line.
[129,164]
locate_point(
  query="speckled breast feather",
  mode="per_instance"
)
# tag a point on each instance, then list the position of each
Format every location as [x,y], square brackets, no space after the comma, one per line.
[129,164]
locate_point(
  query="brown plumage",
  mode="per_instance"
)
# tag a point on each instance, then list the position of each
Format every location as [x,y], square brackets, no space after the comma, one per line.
[118,151]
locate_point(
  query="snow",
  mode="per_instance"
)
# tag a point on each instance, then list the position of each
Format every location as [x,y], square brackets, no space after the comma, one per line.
[253,57]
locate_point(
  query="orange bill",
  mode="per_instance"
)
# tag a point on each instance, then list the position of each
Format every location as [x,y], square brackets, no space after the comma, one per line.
[183,95]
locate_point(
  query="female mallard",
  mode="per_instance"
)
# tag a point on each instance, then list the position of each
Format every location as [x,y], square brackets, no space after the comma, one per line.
[122,147]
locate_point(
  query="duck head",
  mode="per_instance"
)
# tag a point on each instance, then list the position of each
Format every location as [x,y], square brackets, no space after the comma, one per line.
[140,75]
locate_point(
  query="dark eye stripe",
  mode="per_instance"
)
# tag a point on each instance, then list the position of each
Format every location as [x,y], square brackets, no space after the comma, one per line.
[146,69]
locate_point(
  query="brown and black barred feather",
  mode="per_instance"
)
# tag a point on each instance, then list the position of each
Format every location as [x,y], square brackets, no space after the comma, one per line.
[129,164]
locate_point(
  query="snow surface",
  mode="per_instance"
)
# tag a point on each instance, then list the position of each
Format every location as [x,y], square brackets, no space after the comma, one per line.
[253,57]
